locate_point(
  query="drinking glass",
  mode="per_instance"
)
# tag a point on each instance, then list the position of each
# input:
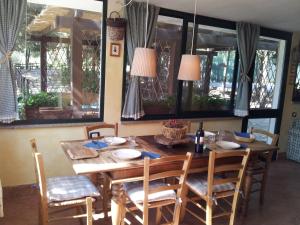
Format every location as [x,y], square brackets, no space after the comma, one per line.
[221,135]
[132,142]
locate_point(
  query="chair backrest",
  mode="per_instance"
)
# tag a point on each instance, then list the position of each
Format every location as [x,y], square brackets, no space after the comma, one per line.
[90,129]
[41,180]
[185,160]
[219,164]
[274,137]
[33,152]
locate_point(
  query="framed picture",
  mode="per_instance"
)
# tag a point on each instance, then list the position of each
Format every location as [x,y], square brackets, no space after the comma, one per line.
[115,49]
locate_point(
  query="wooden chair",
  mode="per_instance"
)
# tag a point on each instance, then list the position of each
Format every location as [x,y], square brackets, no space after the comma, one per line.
[90,129]
[62,192]
[257,171]
[101,180]
[154,193]
[213,188]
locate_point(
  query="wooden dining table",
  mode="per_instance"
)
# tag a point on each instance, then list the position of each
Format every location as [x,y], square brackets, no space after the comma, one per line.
[119,170]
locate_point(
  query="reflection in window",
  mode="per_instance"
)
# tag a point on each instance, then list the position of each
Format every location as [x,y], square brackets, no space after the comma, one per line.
[217,52]
[159,94]
[267,124]
[267,74]
[57,60]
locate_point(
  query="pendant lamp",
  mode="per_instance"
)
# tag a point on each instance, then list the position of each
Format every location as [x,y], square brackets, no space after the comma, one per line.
[144,59]
[189,69]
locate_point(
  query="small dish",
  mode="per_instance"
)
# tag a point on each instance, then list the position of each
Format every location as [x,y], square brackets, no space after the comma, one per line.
[126,154]
[228,144]
[114,140]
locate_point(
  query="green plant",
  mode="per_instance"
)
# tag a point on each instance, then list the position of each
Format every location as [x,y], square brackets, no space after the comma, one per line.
[213,102]
[42,99]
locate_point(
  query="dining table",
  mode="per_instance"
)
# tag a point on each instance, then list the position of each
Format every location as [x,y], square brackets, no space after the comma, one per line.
[123,170]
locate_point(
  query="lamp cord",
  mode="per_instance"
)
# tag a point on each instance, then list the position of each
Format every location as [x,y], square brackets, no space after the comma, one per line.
[146,30]
[195,10]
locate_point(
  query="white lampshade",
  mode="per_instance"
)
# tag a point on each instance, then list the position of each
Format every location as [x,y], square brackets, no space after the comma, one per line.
[189,68]
[144,63]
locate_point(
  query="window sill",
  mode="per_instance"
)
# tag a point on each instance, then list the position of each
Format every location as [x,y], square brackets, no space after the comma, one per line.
[185,119]
[49,125]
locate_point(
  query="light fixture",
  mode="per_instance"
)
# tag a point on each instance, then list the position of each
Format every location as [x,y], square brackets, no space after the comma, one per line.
[144,59]
[190,64]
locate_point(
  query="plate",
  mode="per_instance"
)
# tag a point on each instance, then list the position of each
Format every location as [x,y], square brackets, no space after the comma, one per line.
[114,140]
[208,133]
[227,144]
[126,154]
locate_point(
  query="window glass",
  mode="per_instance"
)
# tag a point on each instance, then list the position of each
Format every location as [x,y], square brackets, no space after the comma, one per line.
[216,48]
[159,94]
[57,60]
[267,74]
[267,124]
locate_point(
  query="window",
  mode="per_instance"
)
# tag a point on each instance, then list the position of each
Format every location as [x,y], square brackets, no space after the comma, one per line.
[267,74]
[217,50]
[215,41]
[58,61]
[159,94]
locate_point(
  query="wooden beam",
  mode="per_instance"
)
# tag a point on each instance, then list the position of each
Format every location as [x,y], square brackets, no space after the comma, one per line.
[76,65]
[83,24]
[43,61]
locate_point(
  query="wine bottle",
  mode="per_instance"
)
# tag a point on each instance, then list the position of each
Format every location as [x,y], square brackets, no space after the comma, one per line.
[201,138]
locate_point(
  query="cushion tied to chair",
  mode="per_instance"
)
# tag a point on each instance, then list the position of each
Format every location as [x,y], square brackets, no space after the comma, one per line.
[70,188]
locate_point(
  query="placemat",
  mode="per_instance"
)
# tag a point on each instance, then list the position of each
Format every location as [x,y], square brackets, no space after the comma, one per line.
[82,153]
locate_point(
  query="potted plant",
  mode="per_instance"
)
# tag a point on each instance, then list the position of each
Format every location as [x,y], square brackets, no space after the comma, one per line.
[163,106]
[44,105]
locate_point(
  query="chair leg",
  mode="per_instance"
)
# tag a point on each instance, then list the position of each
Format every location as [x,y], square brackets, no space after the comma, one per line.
[209,205]
[177,210]
[185,191]
[44,217]
[158,215]
[247,192]
[262,189]
[105,196]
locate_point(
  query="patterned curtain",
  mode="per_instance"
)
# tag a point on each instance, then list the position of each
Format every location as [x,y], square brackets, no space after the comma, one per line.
[247,39]
[135,37]
[11,16]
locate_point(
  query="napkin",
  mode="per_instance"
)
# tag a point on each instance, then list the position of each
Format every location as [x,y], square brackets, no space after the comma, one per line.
[242,134]
[151,155]
[96,144]
[243,146]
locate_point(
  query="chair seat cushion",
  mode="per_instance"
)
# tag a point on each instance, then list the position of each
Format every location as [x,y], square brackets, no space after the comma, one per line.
[135,192]
[70,187]
[198,184]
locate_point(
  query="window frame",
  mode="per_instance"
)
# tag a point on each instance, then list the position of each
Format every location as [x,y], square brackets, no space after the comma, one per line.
[102,88]
[230,25]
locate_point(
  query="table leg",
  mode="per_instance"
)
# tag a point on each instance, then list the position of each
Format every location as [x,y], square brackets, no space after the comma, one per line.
[118,205]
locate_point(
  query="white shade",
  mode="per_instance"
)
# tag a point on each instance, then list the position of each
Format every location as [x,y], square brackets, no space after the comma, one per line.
[189,68]
[144,63]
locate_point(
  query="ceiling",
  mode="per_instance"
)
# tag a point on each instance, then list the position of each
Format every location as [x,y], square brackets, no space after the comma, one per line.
[277,14]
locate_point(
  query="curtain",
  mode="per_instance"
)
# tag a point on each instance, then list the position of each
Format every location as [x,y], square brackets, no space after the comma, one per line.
[135,37]
[247,39]
[11,16]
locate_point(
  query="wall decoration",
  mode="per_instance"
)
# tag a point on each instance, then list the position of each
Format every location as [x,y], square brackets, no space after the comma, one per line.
[115,49]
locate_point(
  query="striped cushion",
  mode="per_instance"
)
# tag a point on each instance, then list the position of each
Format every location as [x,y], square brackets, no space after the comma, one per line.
[69,188]
[198,184]
[135,192]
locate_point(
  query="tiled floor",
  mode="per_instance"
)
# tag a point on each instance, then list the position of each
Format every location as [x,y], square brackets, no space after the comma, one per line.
[282,203]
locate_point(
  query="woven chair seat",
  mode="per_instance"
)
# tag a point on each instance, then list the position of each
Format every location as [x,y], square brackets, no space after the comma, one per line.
[68,188]
[198,184]
[135,192]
